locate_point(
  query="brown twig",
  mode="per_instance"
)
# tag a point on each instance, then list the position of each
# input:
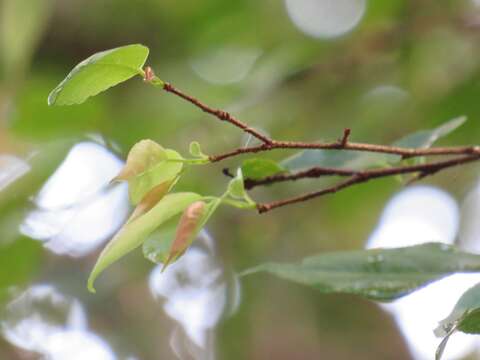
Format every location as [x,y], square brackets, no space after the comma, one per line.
[219,114]
[469,154]
[363,176]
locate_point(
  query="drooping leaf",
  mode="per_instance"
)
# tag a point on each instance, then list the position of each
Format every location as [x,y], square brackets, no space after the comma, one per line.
[260,168]
[426,138]
[134,233]
[186,231]
[378,274]
[148,166]
[98,73]
[142,156]
[151,199]
[465,317]
[166,246]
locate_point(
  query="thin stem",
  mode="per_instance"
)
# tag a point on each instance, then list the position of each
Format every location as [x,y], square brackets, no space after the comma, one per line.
[364,176]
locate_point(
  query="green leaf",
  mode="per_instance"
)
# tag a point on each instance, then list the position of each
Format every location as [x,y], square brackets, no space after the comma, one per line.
[465,317]
[426,138]
[347,159]
[196,150]
[260,168]
[236,187]
[148,166]
[378,274]
[134,233]
[98,73]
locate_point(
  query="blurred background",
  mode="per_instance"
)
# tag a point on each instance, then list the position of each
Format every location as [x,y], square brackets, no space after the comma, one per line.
[296,69]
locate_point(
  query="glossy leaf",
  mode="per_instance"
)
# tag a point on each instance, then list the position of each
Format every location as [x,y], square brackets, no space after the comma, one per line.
[378,274]
[260,168]
[98,73]
[134,233]
[465,317]
[426,138]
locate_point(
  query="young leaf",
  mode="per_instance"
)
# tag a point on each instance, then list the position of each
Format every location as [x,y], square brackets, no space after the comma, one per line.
[426,138]
[378,274]
[141,157]
[151,199]
[149,165]
[465,317]
[196,150]
[98,73]
[186,231]
[166,247]
[236,188]
[260,168]
[134,233]
[164,171]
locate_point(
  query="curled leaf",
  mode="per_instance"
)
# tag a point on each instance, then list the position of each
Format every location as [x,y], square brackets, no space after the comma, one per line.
[260,168]
[151,199]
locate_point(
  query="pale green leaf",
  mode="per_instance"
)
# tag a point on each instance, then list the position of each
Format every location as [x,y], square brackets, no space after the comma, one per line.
[148,166]
[236,187]
[426,138]
[163,171]
[379,274]
[259,168]
[135,232]
[98,73]
[344,159]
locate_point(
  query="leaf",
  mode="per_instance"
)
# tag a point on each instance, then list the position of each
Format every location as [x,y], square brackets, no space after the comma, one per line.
[98,73]
[134,233]
[162,249]
[236,187]
[260,168]
[378,274]
[355,160]
[141,157]
[151,199]
[196,151]
[426,138]
[148,166]
[186,231]
[465,317]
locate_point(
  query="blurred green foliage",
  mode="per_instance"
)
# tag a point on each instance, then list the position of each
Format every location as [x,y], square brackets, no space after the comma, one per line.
[408,66]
